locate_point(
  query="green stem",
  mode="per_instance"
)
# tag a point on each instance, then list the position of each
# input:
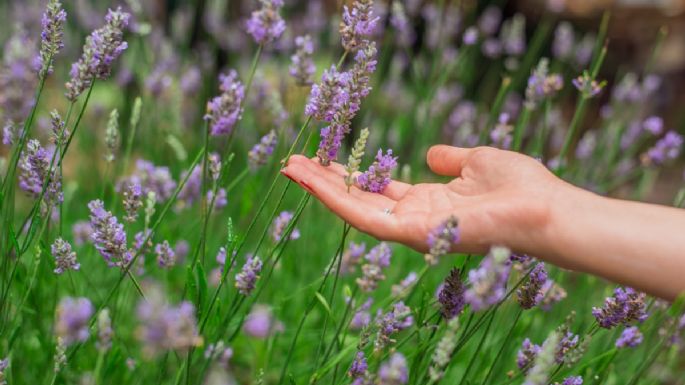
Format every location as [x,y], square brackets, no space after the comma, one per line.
[505,344]
[521,125]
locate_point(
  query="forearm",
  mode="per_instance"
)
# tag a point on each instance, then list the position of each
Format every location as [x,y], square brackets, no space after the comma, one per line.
[635,244]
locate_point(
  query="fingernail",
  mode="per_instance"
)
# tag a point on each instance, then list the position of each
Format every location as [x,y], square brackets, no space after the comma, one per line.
[285,173]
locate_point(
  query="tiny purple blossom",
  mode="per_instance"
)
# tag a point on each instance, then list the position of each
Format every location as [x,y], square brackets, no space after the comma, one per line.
[328,96]
[280,225]
[451,295]
[526,355]
[35,166]
[108,236]
[266,24]
[51,36]
[377,177]
[166,256]
[487,282]
[245,281]
[630,337]
[71,321]
[573,380]
[654,125]
[394,371]
[359,366]
[390,323]
[362,317]
[133,201]
[260,323]
[377,259]
[302,66]
[224,110]
[357,25]
[443,237]
[259,154]
[666,149]
[470,36]
[530,293]
[624,307]
[65,258]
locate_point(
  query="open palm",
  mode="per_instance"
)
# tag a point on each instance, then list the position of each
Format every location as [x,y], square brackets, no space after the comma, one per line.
[498,196]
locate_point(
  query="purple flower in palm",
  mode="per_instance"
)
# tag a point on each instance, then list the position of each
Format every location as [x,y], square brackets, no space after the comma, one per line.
[377,177]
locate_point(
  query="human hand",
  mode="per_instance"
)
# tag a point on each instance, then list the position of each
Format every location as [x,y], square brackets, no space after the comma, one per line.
[500,198]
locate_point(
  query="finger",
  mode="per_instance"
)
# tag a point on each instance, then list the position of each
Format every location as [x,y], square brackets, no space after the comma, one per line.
[382,202]
[358,211]
[447,160]
[395,190]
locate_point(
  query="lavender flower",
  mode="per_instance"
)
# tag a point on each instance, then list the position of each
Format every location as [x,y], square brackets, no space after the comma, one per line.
[103,46]
[151,178]
[540,372]
[443,237]
[394,371]
[260,323]
[166,257]
[530,294]
[4,363]
[587,86]
[624,307]
[451,295]
[487,282]
[376,259]
[225,110]
[81,231]
[328,96]
[489,20]
[390,323]
[71,320]
[542,84]
[572,380]
[584,49]
[567,343]
[36,168]
[51,36]
[630,337]
[59,132]
[527,355]
[65,259]
[501,134]
[513,35]
[221,199]
[586,145]
[259,154]
[133,201]
[357,24]
[302,67]
[470,36]
[492,48]
[246,280]
[166,327]
[105,332]
[551,294]
[404,31]
[192,190]
[377,177]
[108,236]
[280,225]
[443,351]
[266,25]
[361,318]
[352,256]
[654,125]
[562,47]
[666,149]
[359,366]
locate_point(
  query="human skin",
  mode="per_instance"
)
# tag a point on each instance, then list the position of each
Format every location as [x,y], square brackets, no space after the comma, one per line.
[506,198]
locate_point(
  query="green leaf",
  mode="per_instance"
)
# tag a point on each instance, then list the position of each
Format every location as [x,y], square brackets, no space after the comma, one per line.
[324,303]
[201,284]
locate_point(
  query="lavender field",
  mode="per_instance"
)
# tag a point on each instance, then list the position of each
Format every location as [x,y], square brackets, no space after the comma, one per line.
[148,235]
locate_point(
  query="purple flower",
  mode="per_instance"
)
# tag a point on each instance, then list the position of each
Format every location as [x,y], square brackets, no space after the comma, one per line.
[567,343]
[587,86]
[266,25]
[352,256]
[489,20]
[81,232]
[584,50]
[191,190]
[394,371]
[302,67]
[654,125]
[246,280]
[51,36]
[108,236]
[551,294]
[487,282]
[133,201]
[564,40]
[225,110]
[390,323]
[328,97]
[451,295]
[35,168]
[165,327]
[65,259]
[71,321]
[530,294]
[17,82]
[666,149]
[362,317]
[586,145]
[377,177]
[280,225]
[221,199]
[359,366]
[501,134]
[630,337]
[372,271]
[404,285]
[513,35]
[103,46]
[259,154]
[492,48]
[151,178]
[181,249]
[624,307]
[526,355]
[542,84]
[470,36]
[190,81]
[166,257]
[357,24]
[443,237]
[260,323]
[404,31]
[573,380]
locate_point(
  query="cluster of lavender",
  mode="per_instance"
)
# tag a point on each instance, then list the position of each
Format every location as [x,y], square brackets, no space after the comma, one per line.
[564,350]
[71,321]
[376,259]
[442,238]
[625,306]
[542,85]
[487,282]
[103,46]
[280,225]
[246,280]
[51,36]
[260,153]
[351,257]
[151,179]
[226,109]
[165,327]
[36,170]
[108,236]
[390,323]
[394,371]
[451,295]
[261,323]
[530,293]
[266,25]
[302,68]
[65,258]
[377,177]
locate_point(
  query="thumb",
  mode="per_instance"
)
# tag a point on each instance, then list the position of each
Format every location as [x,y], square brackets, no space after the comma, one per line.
[447,160]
